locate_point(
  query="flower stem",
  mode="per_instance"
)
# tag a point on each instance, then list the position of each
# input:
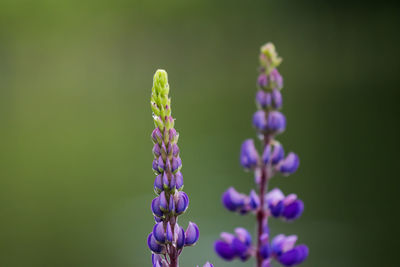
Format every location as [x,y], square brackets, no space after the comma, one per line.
[262,216]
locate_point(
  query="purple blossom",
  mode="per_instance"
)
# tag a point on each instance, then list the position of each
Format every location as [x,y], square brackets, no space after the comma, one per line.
[249,155]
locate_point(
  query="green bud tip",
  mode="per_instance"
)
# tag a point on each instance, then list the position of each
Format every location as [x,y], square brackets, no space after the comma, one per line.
[269,57]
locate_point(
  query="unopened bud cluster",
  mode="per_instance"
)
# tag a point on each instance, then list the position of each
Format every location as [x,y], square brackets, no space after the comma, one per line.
[269,122]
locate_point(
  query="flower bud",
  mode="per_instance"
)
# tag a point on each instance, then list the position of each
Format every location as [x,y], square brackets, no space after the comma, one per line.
[182,202]
[156,136]
[254,200]
[263,99]
[165,180]
[169,234]
[290,164]
[173,136]
[178,180]
[163,202]
[262,80]
[275,80]
[155,166]
[276,99]
[248,154]
[156,150]
[233,200]
[277,154]
[171,204]
[155,207]
[276,122]
[176,164]
[158,184]
[159,232]
[175,150]
[160,164]
[154,246]
[180,239]
[260,121]
[192,234]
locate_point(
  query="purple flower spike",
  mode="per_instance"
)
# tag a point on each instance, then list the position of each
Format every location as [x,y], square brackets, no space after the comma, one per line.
[290,164]
[155,207]
[232,200]
[248,154]
[260,121]
[178,180]
[269,122]
[224,250]
[167,237]
[276,122]
[159,232]
[180,240]
[163,201]
[276,98]
[153,245]
[294,256]
[192,234]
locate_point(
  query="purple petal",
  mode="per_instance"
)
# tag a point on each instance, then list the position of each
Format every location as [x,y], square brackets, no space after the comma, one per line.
[192,234]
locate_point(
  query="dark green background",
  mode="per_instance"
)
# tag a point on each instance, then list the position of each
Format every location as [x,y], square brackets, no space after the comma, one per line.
[75,152]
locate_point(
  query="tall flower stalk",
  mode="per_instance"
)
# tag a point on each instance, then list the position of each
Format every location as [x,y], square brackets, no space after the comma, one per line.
[167,239]
[269,122]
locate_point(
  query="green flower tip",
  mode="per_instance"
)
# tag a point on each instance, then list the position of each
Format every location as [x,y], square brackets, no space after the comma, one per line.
[160,102]
[269,57]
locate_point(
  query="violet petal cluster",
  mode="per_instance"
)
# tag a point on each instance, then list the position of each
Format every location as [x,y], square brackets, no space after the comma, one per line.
[168,238]
[268,122]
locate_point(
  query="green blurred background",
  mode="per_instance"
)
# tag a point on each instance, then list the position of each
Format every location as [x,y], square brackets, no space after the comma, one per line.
[75,149]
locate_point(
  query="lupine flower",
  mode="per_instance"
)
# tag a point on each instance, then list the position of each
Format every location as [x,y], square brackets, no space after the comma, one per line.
[234,246]
[286,252]
[167,239]
[269,122]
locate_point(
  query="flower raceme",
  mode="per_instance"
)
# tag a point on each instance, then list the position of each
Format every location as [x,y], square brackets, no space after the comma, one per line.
[168,238]
[268,122]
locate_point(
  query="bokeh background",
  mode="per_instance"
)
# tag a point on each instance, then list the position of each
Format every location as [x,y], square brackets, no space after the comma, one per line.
[75,124]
